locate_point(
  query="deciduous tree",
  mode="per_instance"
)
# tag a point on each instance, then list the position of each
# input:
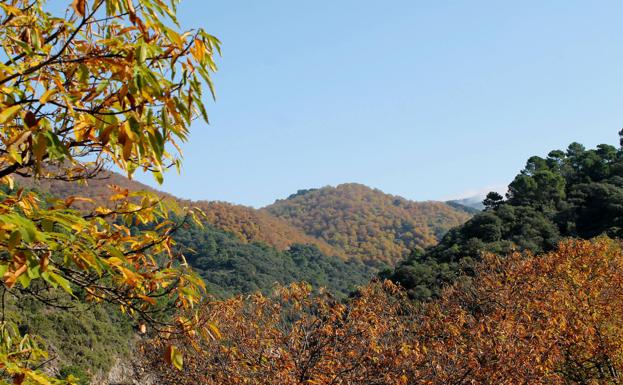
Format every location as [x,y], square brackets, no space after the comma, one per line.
[101,83]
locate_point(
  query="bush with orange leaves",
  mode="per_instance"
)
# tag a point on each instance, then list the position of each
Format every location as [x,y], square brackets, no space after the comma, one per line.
[556,318]
[550,319]
[298,337]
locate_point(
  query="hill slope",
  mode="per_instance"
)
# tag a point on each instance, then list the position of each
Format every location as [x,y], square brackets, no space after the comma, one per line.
[251,225]
[247,223]
[230,266]
[350,220]
[241,249]
[375,227]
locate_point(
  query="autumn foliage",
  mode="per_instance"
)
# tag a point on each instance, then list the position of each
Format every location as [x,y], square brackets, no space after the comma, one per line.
[550,319]
[246,223]
[251,225]
[298,338]
[524,319]
[366,223]
[105,82]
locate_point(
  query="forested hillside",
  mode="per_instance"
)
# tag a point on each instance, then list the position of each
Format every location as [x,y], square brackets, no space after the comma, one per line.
[230,266]
[572,193]
[248,224]
[251,225]
[240,249]
[375,227]
[350,220]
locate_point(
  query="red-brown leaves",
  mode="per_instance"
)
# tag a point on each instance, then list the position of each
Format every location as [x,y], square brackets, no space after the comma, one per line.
[297,337]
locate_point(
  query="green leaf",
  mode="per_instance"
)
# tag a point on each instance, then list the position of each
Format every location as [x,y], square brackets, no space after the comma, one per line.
[83,73]
[55,147]
[3,270]
[159,177]
[61,281]
[141,53]
[26,227]
[115,252]
[24,280]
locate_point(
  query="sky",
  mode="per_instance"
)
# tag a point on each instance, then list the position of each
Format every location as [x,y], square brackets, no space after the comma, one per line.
[429,100]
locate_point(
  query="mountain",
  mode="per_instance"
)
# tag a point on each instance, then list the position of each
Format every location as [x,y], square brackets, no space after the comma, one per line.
[367,223]
[240,249]
[350,220]
[251,225]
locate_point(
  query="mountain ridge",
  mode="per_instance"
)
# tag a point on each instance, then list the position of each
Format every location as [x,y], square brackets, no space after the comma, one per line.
[357,210]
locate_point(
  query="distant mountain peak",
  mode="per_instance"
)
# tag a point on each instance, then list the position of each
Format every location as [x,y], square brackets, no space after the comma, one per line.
[473,202]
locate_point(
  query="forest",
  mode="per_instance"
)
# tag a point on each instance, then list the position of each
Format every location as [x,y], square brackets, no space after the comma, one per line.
[229,266]
[106,281]
[577,193]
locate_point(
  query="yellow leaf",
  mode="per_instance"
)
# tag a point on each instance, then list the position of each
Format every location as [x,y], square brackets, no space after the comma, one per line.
[41,380]
[174,357]
[9,180]
[114,261]
[214,330]
[47,95]
[9,112]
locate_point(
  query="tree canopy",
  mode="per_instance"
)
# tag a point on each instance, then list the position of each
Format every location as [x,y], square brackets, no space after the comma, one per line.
[572,193]
[547,319]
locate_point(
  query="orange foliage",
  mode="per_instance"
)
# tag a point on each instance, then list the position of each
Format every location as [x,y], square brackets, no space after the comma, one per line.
[251,225]
[550,319]
[247,223]
[367,223]
[296,338]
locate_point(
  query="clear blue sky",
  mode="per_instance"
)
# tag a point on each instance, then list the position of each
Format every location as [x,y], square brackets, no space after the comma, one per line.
[423,99]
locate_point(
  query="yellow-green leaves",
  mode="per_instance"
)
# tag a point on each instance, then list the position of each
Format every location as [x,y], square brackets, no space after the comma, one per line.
[129,68]
[47,95]
[174,357]
[18,353]
[8,112]
[141,53]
